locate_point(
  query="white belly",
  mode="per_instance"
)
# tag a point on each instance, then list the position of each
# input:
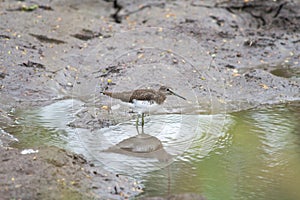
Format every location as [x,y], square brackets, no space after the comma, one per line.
[144,106]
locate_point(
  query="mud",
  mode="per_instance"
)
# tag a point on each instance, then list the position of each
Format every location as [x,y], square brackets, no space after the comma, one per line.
[232,55]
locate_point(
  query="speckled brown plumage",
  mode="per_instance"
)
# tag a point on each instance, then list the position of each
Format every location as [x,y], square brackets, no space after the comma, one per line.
[157,96]
[141,94]
[153,96]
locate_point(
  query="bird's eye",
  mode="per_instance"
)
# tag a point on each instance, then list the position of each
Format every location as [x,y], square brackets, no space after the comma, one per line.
[168,89]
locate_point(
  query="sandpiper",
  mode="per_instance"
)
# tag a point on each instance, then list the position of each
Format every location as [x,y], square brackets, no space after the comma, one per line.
[143,100]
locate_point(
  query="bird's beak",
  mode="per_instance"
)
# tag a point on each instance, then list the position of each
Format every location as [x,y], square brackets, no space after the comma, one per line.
[177,95]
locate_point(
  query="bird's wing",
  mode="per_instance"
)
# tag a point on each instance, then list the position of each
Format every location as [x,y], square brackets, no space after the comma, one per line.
[143,95]
[123,96]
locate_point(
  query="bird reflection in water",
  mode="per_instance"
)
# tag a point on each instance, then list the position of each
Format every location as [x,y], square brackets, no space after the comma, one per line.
[142,145]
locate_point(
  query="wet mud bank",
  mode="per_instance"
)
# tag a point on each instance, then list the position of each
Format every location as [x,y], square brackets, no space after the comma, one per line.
[224,56]
[52,173]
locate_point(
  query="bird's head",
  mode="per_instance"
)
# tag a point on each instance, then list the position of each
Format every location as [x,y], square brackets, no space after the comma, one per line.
[168,91]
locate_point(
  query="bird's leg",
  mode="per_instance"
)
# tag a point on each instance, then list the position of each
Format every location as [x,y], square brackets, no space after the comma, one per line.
[137,124]
[143,122]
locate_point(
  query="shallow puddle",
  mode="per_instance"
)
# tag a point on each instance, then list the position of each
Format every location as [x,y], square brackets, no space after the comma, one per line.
[251,154]
[257,157]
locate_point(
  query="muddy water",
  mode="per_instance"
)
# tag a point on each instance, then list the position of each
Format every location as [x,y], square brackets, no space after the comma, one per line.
[251,154]
[257,157]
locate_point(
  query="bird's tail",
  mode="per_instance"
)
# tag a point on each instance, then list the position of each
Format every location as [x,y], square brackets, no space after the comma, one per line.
[106,93]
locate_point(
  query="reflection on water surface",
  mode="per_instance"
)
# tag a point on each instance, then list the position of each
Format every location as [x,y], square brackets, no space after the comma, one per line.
[252,154]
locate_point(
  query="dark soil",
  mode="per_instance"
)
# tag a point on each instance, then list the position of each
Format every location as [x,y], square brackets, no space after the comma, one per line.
[53,173]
